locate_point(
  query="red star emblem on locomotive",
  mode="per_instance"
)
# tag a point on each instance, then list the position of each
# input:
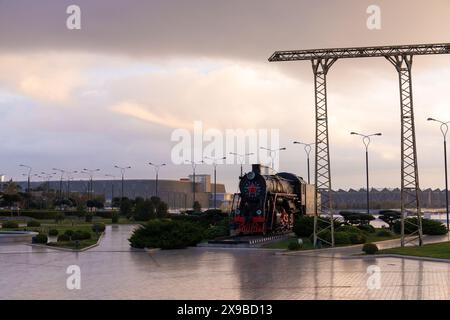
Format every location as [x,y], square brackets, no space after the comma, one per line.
[251,189]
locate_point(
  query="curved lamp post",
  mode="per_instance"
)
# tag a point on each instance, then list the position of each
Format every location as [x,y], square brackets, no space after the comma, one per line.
[272,151]
[308,148]
[122,173]
[194,166]
[444,131]
[366,140]
[214,163]
[241,158]
[156,167]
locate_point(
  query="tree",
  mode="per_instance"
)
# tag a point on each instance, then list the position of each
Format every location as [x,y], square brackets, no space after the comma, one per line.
[390,217]
[197,207]
[144,210]
[126,206]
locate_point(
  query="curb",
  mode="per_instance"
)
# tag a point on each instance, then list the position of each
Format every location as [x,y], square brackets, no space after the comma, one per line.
[67,249]
[399,256]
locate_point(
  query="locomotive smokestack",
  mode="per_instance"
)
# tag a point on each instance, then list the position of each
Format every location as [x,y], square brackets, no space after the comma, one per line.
[256,168]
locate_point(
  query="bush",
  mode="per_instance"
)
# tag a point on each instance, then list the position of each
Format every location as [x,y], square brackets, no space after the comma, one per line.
[115,218]
[63,237]
[166,234]
[53,232]
[40,238]
[351,217]
[10,225]
[304,225]
[81,235]
[367,228]
[98,227]
[69,233]
[294,245]
[35,214]
[370,248]
[384,233]
[33,223]
[342,237]
[390,217]
[349,229]
[88,217]
[59,217]
[356,238]
[429,227]
[216,232]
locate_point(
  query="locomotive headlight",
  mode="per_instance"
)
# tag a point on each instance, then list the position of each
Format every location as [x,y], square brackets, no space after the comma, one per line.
[238,211]
[258,212]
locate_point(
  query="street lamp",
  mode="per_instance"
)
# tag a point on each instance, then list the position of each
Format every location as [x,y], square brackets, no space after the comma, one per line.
[28,176]
[48,177]
[90,172]
[194,165]
[273,151]
[60,180]
[122,172]
[307,147]
[112,186]
[214,163]
[444,130]
[69,178]
[157,167]
[366,141]
[241,158]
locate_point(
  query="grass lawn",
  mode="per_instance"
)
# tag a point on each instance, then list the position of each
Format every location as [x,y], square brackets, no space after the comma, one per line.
[372,237]
[434,250]
[284,243]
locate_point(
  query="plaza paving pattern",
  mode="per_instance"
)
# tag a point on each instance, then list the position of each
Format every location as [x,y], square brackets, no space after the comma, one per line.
[115,271]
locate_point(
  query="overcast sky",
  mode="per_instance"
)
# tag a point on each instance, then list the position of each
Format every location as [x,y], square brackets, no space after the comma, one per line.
[114,91]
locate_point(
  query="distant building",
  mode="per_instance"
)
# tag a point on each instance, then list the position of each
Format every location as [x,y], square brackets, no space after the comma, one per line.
[178,194]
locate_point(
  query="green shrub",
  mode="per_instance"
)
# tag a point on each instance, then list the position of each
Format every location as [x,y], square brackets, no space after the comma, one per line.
[384,233]
[115,218]
[304,225]
[216,232]
[53,232]
[370,248]
[88,217]
[33,223]
[105,214]
[69,233]
[35,214]
[359,218]
[356,238]
[349,229]
[10,225]
[81,235]
[166,234]
[98,227]
[429,227]
[63,237]
[367,228]
[59,217]
[40,238]
[294,245]
[342,237]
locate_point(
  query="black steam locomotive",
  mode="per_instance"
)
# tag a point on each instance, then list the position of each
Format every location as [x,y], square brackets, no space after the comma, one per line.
[269,203]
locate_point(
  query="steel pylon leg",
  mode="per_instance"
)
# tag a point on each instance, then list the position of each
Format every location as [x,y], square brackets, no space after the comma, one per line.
[410,202]
[323,213]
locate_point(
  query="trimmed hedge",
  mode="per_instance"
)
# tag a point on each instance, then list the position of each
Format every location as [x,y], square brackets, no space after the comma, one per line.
[367,228]
[81,235]
[63,237]
[294,245]
[10,224]
[167,234]
[304,226]
[40,238]
[53,232]
[370,248]
[384,233]
[429,227]
[33,224]
[98,227]
[38,214]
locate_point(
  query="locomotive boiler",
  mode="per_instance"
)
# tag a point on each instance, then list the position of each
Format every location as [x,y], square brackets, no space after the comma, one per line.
[270,203]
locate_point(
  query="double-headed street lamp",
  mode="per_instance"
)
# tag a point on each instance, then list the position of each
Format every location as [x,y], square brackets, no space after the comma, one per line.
[28,176]
[241,158]
[122,173]
[308,148]
[194,166]
[90,172]
[157,167]
[112,186]
[62,172]
[271,151]
[214,163]
[444,130]
[366,140]
[69,178]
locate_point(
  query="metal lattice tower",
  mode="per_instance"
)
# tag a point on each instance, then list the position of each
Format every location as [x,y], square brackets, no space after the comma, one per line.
[323,212]
[401,57]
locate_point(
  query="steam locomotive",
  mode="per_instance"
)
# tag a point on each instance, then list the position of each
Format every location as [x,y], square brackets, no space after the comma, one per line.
[269,203]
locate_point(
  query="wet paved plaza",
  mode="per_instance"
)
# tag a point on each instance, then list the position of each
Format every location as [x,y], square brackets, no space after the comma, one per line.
[114,271]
